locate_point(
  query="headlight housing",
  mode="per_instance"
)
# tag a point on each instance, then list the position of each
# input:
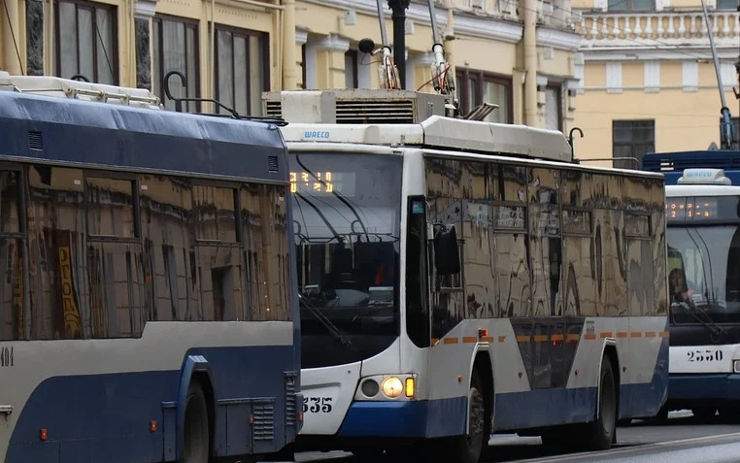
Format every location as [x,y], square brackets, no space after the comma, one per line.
[392,387]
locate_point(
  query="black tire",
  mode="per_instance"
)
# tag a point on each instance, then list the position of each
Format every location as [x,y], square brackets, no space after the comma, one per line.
[730,413]
[469,448]
[662,416]
[602,432]
[196,438]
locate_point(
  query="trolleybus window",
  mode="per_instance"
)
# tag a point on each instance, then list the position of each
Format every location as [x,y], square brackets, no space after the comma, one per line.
[346,225]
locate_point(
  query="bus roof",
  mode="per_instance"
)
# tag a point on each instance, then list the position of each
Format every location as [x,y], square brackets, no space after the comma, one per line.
[59,130]
[672,164]
[441,132]
[701,190]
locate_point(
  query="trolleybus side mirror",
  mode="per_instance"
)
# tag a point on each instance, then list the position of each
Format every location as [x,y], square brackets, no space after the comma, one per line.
[446,252]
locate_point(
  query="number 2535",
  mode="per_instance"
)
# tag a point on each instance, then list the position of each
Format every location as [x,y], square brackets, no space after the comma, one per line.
[317,404]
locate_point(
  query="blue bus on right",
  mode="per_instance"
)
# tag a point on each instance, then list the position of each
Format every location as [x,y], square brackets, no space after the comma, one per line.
[703,236]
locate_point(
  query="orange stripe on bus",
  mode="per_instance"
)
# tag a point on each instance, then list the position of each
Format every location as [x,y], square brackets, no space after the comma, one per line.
[590,336]
[487,339]
[541,338]
[606,334]
[557,337]
[664,334]
[621,334]
[523,338]
[649,334]
[470,339]
[574,337]
[450,340]
[635,334]
[501,338]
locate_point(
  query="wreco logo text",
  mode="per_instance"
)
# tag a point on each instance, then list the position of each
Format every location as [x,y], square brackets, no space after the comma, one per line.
[315,134]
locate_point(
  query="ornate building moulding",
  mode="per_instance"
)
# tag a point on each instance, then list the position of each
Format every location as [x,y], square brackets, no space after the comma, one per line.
[333,42]
[664,54]
[478,26]
[144,9]
[562,40]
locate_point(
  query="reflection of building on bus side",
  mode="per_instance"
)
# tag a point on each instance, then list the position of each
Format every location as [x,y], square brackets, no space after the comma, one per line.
[190,264]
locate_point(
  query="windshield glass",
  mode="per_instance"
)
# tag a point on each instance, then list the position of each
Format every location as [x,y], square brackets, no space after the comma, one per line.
[704,273]
[346,221]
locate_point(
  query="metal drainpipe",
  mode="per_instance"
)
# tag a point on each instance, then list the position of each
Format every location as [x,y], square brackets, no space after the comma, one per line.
[399,37]
[530,62]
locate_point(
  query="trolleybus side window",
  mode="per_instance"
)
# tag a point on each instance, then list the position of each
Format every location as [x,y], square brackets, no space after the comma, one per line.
[59,290]
[12,310]
[264,253]
[167,224]
[118,296]
[545,242]
[219,265]
[578,258]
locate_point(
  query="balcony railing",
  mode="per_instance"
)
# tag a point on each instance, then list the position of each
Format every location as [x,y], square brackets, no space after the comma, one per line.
[669,27]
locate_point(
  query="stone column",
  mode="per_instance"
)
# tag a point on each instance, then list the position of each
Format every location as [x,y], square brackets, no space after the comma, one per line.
[290,68]
[301,37]
[143,14]
[330,61]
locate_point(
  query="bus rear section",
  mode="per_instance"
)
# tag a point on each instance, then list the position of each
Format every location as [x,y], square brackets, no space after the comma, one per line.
[146,304]
[704,287]
[447,293]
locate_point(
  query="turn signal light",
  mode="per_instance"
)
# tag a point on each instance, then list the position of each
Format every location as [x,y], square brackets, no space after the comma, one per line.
[410,387]
[153,426]
[43,434]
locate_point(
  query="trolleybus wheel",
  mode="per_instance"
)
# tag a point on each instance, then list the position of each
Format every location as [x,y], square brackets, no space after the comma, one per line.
[601,432]
[195,435]
[469,447]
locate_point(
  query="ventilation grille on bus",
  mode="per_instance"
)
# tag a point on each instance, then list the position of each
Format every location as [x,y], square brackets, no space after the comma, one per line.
[386,111]
[35,141]
[291,407]
[264,420]
[272,164]
[273,108]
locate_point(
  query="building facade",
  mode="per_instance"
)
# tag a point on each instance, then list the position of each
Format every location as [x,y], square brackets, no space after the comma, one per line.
[647,80]
[521,55]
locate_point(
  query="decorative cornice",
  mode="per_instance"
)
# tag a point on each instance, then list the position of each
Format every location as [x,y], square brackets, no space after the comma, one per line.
[466,24]
[333,42]
[555,38]
[301,36]
[144,9]
[660,54]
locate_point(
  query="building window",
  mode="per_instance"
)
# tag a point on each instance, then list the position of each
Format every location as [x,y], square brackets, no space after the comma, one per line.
[175,45]
[631,140]
[631,5]
[86,41]
[476,87]
[350,69]
[727,5]
[241,69]
[553,107]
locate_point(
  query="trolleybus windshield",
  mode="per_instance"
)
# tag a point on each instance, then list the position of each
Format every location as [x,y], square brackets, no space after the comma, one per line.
[346,223]
[704,259]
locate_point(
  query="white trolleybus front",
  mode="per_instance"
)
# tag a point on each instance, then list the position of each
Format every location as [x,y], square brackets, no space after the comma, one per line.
[458,278]
[703,215]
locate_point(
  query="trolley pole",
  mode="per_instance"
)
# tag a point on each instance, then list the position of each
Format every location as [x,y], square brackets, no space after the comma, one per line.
[399,36]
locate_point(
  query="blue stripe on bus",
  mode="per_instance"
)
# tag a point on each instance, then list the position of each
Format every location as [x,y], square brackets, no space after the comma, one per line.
[549,407]
[95,418]
[720,386]
[424,418]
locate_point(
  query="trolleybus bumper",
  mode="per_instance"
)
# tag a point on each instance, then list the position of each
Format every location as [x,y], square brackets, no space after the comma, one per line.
[407,419]
[687,388]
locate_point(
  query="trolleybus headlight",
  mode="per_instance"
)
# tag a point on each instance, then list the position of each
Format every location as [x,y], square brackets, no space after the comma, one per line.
[370,387]
[392,387]
[736,366]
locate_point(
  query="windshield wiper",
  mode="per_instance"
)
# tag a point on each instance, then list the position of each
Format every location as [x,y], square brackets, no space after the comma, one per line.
[716,331]
[328,324]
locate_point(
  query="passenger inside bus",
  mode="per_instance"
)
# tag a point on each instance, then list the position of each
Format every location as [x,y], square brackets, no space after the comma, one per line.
[677,286]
